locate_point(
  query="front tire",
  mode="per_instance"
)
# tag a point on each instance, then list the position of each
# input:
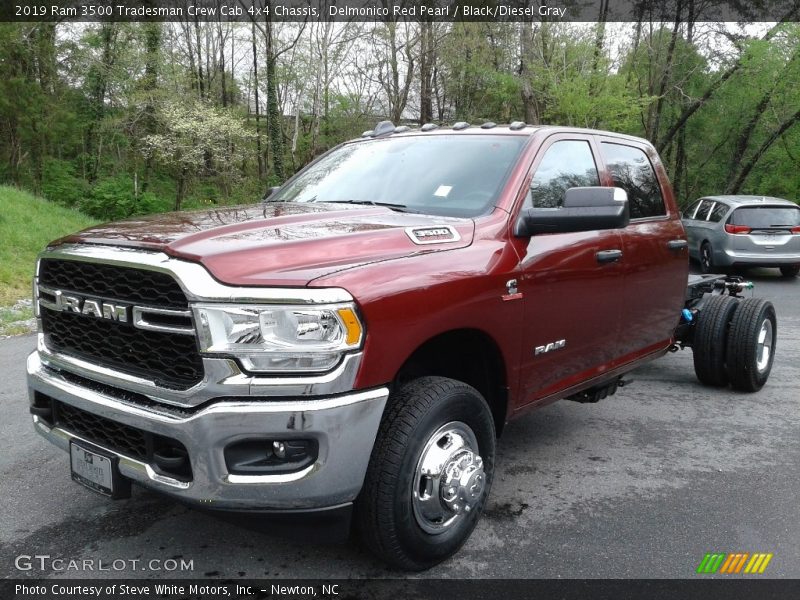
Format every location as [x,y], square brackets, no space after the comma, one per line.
[751,345]
[790,271]
[429,475]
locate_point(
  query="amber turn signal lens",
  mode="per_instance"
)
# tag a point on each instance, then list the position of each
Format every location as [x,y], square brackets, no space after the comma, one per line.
[351,324]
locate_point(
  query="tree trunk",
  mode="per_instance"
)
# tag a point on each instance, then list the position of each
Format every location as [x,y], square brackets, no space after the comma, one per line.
[98,76]
[529,103]
[681,182]
[273,110]
[666,73]
[181,189]
[599,41]
[259,155]
[198,47]
[426,62]
[222,65]
[637,36]
[152,42]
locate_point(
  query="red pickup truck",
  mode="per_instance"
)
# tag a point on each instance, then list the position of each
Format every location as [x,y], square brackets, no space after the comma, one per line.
[356,342]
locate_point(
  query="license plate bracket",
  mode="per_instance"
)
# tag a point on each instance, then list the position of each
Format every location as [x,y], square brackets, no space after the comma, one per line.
[97,470]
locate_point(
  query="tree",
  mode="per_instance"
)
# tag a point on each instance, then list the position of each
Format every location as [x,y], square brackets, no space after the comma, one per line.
[188,133]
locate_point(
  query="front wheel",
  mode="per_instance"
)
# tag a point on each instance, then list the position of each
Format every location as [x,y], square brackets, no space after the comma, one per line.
[790,271]
[429,475]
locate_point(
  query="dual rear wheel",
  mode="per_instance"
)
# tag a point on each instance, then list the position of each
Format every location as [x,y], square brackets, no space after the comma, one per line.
[734,342]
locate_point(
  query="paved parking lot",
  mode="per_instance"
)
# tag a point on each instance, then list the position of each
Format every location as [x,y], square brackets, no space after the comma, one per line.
[642,484]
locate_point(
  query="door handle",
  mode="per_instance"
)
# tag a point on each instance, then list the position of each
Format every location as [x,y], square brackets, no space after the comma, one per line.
[677,244]
[607,256]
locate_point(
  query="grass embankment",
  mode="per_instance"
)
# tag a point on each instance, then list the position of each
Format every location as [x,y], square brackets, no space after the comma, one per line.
[27,224]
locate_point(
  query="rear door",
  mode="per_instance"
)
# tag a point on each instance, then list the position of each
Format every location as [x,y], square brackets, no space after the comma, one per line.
[766,230]
[655,249]
[572,294]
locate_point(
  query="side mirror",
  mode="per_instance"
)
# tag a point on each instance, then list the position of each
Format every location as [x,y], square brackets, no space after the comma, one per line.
[584,209]
[270,192]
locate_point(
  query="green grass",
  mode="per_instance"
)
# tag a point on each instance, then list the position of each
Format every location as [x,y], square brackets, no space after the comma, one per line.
[15,320]
[27,224]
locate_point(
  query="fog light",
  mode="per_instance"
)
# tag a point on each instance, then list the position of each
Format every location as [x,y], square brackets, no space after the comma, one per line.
[270,457]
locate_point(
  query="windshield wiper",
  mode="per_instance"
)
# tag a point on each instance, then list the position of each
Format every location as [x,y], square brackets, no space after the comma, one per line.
[390,205]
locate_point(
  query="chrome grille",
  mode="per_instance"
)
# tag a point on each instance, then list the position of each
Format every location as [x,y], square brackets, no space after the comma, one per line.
[125,284]
[170,360]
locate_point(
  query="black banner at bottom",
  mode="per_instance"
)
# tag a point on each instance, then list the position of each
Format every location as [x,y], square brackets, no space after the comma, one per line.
[419,589]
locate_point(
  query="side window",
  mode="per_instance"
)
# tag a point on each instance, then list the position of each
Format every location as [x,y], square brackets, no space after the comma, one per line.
[566,164]
[718,212]
[631,170]
[689,212]
[705,208]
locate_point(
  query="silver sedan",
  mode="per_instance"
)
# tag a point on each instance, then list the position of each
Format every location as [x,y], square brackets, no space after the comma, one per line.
[744,231]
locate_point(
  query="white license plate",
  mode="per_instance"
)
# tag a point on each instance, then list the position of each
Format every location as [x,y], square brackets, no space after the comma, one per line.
[91,469]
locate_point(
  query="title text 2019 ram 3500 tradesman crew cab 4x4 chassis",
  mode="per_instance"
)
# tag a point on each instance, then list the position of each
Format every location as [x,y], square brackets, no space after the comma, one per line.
[359,338]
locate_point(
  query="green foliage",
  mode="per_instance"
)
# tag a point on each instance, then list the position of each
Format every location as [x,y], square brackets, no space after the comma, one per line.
[109,199]
[121,119]
[60,183]
[612,106]
[27,224]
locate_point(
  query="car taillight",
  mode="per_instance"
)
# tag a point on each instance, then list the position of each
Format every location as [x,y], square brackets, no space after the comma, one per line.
[736,228]
[795,229]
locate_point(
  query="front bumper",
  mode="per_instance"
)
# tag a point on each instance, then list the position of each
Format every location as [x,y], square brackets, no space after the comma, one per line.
[344,426]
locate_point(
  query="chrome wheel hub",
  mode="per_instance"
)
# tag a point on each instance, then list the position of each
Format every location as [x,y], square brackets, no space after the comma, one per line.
[449,480]
[764,346]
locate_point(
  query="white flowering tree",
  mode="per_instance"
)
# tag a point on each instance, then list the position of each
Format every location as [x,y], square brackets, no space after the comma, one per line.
[195,137]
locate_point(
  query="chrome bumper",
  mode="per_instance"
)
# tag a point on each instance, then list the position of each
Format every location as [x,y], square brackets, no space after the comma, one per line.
[344,426]
[739,257]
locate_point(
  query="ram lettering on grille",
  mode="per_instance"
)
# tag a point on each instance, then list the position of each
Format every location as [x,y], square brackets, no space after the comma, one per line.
[85,306]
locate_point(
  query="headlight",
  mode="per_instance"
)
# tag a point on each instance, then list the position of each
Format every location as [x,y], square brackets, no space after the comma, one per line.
[279,338]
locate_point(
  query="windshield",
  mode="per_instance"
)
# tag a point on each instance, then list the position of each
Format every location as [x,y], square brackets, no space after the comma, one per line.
[766,217]
[449,175]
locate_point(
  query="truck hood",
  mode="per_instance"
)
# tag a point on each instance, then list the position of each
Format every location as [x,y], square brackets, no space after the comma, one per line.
[280,244]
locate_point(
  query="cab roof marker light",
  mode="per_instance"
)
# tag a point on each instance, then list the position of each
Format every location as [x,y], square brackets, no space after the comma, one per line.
[383,128]
[517,125]
[429,127]
[402,129]
[489,125]
[460,125]
[369,133]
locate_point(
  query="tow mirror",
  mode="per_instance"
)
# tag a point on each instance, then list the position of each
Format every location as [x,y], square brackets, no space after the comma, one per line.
[270,192]
[584,209]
